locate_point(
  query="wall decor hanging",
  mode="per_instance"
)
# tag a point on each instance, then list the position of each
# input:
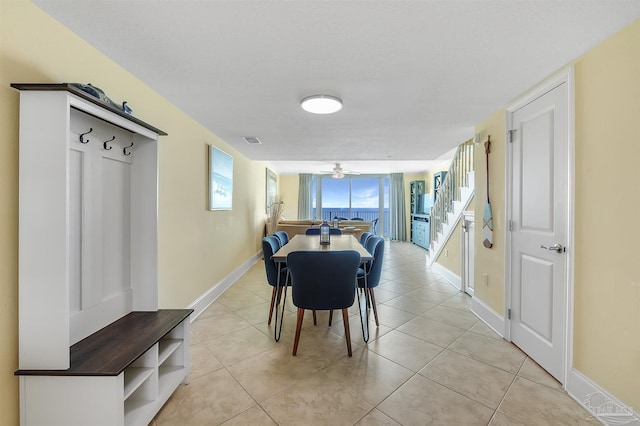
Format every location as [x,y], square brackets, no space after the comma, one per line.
[487,216]
[271,191]
[220,179]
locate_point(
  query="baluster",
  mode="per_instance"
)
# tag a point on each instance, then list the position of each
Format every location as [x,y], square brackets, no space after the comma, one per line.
[464,165]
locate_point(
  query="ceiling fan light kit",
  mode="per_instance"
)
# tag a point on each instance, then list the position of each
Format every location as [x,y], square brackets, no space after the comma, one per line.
[338,172]
[321,104]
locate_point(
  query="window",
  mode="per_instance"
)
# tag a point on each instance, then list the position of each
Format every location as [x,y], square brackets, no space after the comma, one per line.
[366,197]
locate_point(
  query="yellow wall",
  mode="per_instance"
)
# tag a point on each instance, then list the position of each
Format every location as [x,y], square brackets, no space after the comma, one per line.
[451,254]
[289,187]
[607,200]
[197,248]
[490,261]
[606,331]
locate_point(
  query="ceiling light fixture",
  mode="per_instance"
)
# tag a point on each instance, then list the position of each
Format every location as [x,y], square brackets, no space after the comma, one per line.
[321,104]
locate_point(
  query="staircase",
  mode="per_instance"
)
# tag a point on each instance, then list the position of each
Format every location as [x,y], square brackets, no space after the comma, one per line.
[454,196]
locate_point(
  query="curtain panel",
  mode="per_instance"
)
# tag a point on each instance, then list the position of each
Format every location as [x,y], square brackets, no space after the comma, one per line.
[305,196]
[397,211]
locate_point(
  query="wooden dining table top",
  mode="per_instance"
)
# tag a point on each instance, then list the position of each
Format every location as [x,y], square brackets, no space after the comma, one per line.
[312,243]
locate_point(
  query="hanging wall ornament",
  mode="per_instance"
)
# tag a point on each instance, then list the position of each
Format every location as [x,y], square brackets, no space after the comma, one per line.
[487,216]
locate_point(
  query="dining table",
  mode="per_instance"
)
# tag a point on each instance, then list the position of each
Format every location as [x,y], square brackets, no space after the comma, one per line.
[312,243]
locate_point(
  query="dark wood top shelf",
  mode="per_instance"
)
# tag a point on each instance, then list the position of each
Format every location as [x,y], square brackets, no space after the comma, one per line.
[69,88]
[113,348]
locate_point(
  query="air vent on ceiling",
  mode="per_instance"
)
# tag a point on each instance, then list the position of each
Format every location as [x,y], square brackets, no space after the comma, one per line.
[251,139]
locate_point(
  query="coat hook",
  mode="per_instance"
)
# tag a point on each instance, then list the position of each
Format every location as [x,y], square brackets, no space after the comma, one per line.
[105,143]
[124,150]
[82,140]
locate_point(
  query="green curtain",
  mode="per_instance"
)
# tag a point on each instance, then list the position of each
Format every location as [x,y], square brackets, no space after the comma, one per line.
[397,213]
[305,197]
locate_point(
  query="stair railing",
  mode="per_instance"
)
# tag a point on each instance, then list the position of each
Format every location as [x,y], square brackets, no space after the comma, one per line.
[449,191]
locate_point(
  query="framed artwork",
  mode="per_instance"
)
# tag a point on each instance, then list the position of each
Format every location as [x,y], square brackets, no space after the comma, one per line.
[272,188]
[220,179]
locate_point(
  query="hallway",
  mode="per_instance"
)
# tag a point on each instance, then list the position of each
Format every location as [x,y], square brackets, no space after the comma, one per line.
[431,361]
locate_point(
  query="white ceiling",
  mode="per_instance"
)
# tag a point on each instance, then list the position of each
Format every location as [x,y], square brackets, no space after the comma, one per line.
[414,76]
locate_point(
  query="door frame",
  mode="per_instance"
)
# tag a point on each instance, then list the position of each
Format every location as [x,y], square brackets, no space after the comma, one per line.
[566,76]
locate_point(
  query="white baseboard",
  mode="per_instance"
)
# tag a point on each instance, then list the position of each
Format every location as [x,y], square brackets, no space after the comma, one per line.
[608,409]
[447,275]
[494,320]
[209,296]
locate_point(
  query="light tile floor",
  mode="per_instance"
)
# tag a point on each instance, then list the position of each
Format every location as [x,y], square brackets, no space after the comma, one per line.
[430,362]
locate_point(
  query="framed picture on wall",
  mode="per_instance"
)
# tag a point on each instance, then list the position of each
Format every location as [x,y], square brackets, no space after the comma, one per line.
[220,179]
[272,188]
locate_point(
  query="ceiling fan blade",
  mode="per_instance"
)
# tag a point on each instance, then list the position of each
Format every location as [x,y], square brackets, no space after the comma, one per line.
[337,169]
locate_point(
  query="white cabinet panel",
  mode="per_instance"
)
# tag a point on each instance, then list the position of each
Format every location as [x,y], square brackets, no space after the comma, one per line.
[88,258]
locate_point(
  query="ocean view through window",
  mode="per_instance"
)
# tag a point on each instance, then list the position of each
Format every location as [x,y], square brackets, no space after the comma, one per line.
[365,197]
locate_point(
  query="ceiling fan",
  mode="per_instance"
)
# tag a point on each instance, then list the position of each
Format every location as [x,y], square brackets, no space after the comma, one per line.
[338,172]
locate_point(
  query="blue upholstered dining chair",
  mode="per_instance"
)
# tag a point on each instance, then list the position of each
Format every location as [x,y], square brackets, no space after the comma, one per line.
[323,280]
[373,271]
[282,236]
[316,231]
[270,245]
[364,237]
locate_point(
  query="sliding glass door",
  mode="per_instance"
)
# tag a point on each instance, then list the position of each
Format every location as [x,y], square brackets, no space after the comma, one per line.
[365,197]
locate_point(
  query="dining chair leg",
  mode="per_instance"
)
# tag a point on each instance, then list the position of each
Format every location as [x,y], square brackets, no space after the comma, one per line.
[298,329]
[273,303]
[279,296]
[315,321]
[373,303]
[347,332]
[330,316]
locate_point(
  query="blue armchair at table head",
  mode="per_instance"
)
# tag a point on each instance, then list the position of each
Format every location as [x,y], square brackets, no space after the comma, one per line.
[323,281]
[270,245]
[373,271]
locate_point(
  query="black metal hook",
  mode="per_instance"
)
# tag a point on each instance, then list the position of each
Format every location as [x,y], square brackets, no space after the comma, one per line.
[124,150]
[82,136]
[105,143]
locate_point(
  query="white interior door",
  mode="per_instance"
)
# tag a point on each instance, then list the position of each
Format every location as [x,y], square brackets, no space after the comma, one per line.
[539,223]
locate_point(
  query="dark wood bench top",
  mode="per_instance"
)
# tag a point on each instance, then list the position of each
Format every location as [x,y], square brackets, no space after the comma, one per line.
[110,350]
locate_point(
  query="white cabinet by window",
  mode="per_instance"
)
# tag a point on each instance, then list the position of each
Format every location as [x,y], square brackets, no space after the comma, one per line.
[87,259]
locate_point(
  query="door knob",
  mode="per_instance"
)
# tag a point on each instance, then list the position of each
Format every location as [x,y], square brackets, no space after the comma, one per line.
[558,248]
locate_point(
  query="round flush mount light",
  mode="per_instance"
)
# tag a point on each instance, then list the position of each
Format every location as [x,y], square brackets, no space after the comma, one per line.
[321,104]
